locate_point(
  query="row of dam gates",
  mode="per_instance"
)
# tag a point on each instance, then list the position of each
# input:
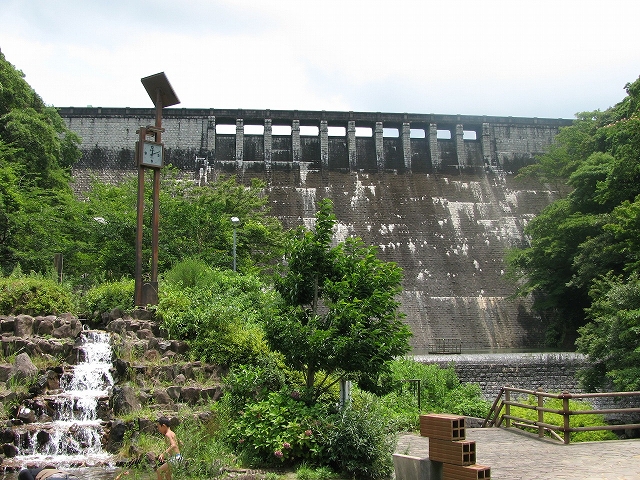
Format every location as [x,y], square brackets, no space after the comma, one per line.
[436,193]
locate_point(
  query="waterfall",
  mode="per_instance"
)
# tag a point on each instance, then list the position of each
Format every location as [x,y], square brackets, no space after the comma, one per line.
[74,436]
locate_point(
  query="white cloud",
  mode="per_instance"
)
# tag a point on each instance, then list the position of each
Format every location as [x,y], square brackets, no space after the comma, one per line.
[492,57]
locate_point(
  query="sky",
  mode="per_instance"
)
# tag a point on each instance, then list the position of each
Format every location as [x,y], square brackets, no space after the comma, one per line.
[521,58]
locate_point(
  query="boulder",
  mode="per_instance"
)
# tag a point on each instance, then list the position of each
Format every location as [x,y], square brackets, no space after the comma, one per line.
[161,397]
[9,450]
[190,395]
[116,436]
[144,334]
[123,400]
[23,326]
[23,367]
[5,372]
[26,415]
[174,392]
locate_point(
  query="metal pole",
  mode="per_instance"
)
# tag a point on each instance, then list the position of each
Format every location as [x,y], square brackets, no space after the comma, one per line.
[234,248]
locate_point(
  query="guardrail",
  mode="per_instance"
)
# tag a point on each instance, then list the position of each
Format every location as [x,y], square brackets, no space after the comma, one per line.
[496,418]
[445,345]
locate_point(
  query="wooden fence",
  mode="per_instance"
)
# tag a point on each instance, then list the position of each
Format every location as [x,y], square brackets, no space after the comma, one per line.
[501,412]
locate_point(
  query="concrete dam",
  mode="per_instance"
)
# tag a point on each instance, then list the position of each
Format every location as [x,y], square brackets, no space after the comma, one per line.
[435,193]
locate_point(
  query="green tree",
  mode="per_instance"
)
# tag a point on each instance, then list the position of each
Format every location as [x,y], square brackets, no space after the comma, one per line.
[194,224]
[591,232]
[37,206]
[340,315]
[612,337]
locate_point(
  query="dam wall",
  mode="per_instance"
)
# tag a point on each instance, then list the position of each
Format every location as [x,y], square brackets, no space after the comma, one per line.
[435,193]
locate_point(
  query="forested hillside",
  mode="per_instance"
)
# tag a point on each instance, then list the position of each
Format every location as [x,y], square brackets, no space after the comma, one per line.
[583,261]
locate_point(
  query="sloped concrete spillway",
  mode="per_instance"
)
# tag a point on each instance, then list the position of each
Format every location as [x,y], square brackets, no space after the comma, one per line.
[69,429]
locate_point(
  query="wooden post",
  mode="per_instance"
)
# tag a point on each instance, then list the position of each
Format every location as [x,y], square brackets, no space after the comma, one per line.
[540,413]
[507,407]
[142,133]
[565,396]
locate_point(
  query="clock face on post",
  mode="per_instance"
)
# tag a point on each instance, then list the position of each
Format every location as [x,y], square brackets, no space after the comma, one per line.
[152,154]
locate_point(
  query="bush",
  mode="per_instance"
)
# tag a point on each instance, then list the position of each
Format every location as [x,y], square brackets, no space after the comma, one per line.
[189,273]
[281,429]
[359,443]
[252,383]
[440,391]
[107,296]
[220,318]
[34,295]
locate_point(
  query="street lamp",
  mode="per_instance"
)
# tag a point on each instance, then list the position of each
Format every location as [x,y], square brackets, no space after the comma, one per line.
[235,221]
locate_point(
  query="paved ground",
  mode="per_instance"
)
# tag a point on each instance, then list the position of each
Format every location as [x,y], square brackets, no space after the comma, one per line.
[516,455]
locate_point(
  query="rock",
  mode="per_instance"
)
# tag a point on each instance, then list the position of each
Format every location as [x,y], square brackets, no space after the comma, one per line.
[174,392]
[63,331]
[212,393]
[7,435]
[115,314]
[121,367]
[117,326]
[162,397]
[45,326]
[151,355]
[179,346]
[190,395]
[5,372]
[116,436]
[147,426]
[180,379]
[7,324]
[144,334]
[43,437]
[26,415]
[9,450]
[23,326]
[23,367]
[123,400]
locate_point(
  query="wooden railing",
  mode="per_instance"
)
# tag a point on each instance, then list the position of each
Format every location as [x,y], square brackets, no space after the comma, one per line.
[445,345]
[496,417]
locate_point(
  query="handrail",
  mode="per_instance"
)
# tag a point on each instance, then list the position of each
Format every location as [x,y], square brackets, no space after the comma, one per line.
[496,418]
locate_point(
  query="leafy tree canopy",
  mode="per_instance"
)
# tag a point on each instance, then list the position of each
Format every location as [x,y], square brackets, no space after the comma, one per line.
[36,153]
[584,247]
[340,317]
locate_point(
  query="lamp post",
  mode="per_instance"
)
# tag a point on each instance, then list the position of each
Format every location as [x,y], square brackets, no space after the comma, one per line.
[235,221]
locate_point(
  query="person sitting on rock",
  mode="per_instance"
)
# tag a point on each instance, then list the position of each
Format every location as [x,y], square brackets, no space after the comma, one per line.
[46,473]
[52,473]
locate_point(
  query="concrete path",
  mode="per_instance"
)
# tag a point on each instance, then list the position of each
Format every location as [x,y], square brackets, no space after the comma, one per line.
[516,455]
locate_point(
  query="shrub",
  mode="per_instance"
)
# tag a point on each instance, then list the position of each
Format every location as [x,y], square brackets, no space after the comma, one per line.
[189,273]
[440,391]
[220,318]
[107,296]
[252,383]
[34,295]
[359,443]
[281,429]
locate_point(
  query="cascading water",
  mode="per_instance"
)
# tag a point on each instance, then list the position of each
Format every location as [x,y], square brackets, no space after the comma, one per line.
[74,436]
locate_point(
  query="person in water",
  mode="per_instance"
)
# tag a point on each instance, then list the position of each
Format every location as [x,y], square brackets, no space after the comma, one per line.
[172,454]
[52,473]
